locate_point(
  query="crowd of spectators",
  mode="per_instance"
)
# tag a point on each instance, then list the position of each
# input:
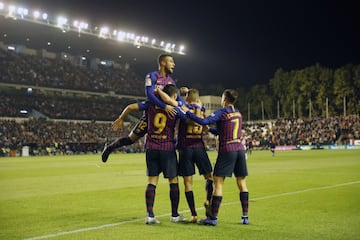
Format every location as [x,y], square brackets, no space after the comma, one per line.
[50,137]
[314,131]
[58,106]
[25,69]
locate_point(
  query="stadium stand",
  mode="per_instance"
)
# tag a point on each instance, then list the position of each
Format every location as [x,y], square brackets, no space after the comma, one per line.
[26,69]
[314,131]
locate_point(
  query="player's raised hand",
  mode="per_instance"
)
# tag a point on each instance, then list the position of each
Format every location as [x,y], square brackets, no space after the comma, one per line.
[117,124]
[170,110]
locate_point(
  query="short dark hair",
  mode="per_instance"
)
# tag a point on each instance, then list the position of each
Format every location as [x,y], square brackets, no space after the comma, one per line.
[231,95]
[162,56]
[170,89]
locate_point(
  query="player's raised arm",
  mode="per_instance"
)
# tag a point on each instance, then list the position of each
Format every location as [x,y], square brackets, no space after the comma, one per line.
[166,99]
[213,118]
[118,123]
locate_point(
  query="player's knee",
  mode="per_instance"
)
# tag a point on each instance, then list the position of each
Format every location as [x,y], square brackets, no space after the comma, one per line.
[133,137]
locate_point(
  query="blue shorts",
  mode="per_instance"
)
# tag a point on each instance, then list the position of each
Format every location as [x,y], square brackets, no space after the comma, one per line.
[158,161]
[229,163]
[188,157]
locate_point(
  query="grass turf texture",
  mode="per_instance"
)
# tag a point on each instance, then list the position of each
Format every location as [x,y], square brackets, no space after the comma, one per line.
[294,195]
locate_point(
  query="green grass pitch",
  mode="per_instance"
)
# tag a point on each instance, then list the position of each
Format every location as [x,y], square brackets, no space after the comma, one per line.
[294,195]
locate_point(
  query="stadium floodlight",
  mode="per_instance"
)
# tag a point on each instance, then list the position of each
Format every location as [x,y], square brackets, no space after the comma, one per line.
[137,41]
[104,31]
[144,39]
[39,17]
[80,25]
[44,16]
[130,36]
[181,49]
[121,36]
[167,47]
[61,21]
[12,10]
[36,14]
[84,25]
[22,11]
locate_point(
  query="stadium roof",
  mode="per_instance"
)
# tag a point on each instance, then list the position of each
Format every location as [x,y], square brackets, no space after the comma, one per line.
[42,36]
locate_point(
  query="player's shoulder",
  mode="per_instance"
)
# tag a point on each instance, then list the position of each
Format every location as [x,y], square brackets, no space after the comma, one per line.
[143,105]
[151,77]
[152,74]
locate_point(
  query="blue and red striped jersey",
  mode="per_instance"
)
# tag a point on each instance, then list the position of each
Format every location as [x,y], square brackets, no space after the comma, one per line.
[228,122]
[156,80]
[160,132]
[190,133]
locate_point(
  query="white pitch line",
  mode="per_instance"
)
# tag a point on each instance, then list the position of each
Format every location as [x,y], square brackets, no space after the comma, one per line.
[164,215]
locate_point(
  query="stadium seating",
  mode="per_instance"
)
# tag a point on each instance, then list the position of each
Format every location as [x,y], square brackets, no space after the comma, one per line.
[71,108]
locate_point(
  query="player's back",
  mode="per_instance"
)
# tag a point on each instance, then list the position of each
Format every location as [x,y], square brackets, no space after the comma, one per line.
[190,133]
[160,134]
[230,130]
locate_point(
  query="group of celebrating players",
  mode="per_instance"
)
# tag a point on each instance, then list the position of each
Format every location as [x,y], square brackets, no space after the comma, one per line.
[162,109]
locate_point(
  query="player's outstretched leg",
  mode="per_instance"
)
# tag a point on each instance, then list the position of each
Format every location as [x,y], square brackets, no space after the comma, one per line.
[114,145]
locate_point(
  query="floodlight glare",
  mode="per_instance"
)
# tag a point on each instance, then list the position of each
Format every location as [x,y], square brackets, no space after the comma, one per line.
[121,36]
[22,11]
[144,39]
[80,25]
[103,32]
[12,9]
[36,14]
[65,24]
[61,21]
[44,16]
[130,36]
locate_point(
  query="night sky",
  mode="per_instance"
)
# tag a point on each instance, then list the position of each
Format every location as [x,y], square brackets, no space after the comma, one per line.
[235,43]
